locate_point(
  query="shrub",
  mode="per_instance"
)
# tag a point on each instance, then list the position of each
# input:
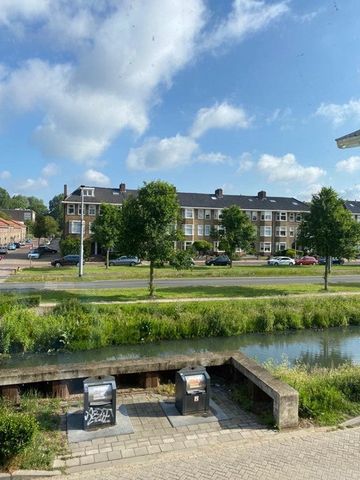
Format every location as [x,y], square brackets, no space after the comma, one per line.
[16,433]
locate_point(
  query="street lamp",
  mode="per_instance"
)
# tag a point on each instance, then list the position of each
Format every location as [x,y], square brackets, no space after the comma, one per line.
[81,263]
[349,141]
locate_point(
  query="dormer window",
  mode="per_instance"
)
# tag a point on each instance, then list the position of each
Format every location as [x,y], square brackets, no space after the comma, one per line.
[88,192]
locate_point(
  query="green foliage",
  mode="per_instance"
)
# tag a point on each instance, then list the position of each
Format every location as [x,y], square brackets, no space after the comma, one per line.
[19,201]
[149,224]
[106,228]
[329,229]
[326,396]
[4,198]
[37,205]
[182,260]
[45,226]
[71,246]
[74,326]
[56,210]
[16,433]
[236,231]
[4,215]
[202,247]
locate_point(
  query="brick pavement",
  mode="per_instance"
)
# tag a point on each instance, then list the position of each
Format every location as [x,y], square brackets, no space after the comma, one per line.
[239,447]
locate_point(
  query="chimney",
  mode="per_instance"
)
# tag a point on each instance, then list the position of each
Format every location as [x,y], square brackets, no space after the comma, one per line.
[65,191]
[219,193]
[122,188]
[261,195]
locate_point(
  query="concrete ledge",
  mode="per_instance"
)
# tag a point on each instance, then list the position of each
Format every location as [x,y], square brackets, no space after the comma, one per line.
[285,398]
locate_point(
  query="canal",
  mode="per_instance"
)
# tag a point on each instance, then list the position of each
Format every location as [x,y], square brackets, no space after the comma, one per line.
[331,347]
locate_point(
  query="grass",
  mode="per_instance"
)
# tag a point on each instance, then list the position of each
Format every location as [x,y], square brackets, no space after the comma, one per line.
[49,441]
[194,292]
[326,396]
[94,272]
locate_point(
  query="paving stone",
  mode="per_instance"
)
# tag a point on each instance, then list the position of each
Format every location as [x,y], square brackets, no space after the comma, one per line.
[101,457]
[86,460]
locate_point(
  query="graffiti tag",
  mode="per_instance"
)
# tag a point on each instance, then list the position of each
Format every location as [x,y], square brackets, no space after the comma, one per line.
[98,415]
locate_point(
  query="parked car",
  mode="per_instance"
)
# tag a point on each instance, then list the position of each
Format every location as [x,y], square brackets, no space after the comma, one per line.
[17,244]
[307,260]
[28,240]
[11,246]
[3,250]
[34,254]
[66,260]
[221,260]
[45,249]
[281,261]
[334,261]
[124,260]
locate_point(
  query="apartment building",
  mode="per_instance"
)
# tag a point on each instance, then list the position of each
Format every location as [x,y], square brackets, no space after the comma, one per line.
[20,214]
[276,219]
[11,231]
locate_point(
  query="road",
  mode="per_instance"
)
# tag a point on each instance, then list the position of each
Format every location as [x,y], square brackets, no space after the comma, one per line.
[183,282]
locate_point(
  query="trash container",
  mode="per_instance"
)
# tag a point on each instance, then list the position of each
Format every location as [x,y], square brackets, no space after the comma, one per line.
[99,402]
[192,390]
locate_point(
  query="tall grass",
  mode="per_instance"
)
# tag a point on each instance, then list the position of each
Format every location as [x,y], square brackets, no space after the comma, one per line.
[326,396]
[74,326]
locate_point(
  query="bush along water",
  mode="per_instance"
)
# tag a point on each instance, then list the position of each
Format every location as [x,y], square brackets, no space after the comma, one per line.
[73,326]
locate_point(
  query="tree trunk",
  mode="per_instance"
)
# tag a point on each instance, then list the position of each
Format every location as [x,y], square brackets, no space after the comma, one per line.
[231,260]
[326,273]
[107,257]
[151,282]
[330,265]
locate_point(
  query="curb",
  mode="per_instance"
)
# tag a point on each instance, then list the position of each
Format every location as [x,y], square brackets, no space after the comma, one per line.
[29,474]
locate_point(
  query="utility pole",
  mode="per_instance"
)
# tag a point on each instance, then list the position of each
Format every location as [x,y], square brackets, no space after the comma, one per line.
[81,263]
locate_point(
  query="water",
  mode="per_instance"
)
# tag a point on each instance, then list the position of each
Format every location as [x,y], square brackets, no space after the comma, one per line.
[330,347]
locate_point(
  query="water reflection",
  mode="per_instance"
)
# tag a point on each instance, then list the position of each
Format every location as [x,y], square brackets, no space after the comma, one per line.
[330,347]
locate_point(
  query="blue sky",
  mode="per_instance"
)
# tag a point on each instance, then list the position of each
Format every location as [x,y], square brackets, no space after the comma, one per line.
[246,95]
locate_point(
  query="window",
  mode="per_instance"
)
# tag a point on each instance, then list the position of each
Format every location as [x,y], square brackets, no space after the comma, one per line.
[248,213]
[187,245]
[88,192]
[188,229]
[280,246]
[200,230]
[90,229]
[265,247]
[189,213]
[71,209]
[291,231]
[207,214]
[265,231]
[79,210]
[207,230]
[298,217]
[201,214]
[74,227]
[266,215]
[92,209]
[281,231]
[281,216]
[291,217]
[254,216]
[217,214]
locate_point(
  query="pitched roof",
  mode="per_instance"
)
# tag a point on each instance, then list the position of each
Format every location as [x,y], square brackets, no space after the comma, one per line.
[350,140]
[352,205]
[194,200]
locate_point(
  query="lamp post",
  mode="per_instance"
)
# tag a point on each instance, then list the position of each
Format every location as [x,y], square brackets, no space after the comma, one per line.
[81,263]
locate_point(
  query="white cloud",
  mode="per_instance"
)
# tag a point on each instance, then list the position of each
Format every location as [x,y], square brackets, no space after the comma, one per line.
[338,114]
[93,177]
[33,184]
[246,17]
[113,74]
[306,194]
[214,158]
[279,115]
[5,174]
[351,193]
[166,153]
[220,115]
[351,165]
[287,169]
[50,170]
[246,163]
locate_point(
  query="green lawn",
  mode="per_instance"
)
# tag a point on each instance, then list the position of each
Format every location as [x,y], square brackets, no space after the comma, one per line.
[99,272]
[118,295]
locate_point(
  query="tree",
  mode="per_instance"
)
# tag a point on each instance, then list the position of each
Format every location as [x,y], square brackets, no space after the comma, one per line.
[202,246]
[328,229]
[19,201]
[106,227]
[37,205]
[236,231]
[149,225]
[71,246]
[45,226]
[4,198]
[56,209]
